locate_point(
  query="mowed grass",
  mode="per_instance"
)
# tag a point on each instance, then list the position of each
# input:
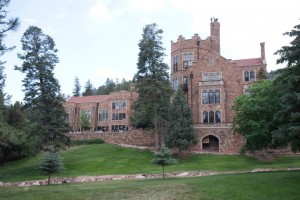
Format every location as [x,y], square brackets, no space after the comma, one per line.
[267,185]
[107,159]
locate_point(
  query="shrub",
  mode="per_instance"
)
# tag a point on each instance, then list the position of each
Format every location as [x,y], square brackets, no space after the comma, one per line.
[87,141]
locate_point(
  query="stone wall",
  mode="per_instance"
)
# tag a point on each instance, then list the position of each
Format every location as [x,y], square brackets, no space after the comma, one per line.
[134,137]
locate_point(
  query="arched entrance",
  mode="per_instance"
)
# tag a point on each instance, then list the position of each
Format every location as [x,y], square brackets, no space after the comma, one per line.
[210,143]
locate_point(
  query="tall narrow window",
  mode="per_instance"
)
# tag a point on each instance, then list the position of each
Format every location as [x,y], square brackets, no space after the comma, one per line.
[218,116]
[246,76]
[252,75]
[217,96]
[205,77]
[205,117]
[175,84]
[211,117]
[188,59]
[185,83]
[204,97]
[175,63]
[103,115]
[211,97]
[211,62]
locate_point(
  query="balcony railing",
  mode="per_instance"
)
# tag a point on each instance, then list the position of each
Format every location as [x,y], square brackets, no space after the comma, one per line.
[213,125]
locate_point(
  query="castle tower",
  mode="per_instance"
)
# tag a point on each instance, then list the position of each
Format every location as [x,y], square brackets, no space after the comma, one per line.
[215,35]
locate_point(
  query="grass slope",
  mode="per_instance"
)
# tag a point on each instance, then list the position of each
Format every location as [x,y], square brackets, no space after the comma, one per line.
[258,186]
[105,159]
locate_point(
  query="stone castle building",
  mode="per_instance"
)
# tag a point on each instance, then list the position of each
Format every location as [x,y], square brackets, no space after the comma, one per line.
[106,113]
[211,83]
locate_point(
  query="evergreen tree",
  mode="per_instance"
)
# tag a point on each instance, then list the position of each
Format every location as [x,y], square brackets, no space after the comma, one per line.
[288,85]
[77,87]
[88,89]
[180,133]
[51,164]
[42,90]
[152,83]
[164,158]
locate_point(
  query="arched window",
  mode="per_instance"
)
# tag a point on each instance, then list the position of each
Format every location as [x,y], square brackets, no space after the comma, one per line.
[204,97]
[205,117]
[217,96]
[246,76]
[211,97]
[218,116]
[211,117]
[252,75]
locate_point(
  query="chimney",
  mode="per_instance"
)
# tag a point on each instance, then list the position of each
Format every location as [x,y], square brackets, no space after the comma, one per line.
[215,35]
[262,53]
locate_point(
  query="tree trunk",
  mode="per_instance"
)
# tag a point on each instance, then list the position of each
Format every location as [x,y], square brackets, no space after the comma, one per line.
[163,167]
[48,179]
[156,126]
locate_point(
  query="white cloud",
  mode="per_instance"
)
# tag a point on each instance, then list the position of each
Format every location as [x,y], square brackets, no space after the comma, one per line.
[99,13]
[100,74]
[146,5]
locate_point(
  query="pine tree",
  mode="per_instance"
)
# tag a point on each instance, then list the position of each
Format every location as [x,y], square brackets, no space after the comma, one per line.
[77,87]
[51,164]
[287,84]
[42,90]
[164,158]
[152,83]
[180,133]
[88,89]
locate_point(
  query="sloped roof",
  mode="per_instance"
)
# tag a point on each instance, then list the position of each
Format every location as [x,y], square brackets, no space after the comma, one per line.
[247,62]
[88,99]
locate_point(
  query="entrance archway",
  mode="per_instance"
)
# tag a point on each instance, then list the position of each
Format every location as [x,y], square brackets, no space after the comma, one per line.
[210,143]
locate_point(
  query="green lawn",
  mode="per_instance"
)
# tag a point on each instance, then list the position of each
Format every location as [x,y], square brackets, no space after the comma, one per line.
[271,185]
[104,159]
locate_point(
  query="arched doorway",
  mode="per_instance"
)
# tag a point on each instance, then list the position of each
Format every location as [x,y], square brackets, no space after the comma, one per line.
[210,143]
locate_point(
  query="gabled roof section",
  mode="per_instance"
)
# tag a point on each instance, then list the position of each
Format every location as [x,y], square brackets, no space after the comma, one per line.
[88,99]
[248,62]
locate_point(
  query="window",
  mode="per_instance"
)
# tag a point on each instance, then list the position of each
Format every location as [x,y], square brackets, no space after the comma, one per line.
[211,76]
[205,117]
[118,116]
[217,96]
[119,128]
[211,62]
[185,83]
[188,58]
[247,91]
[211,97]
[252,75]
[218,116]
[175,63]
[102,129]
[246,76]
[211,117]
[118,105]
[175,84]
[204,97]
[103,115]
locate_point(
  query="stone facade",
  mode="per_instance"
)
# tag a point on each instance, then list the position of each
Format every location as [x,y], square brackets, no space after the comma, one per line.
[211,83]
[107,113]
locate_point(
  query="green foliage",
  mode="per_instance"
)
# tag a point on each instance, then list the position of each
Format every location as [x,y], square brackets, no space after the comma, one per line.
[180,133]
[152,82]
[262,74]
[42,90]
[77,87]
[163,157]
[88,89]
[254,115]
[287,84]
[52,163]
[111,86]
[87,141]
[85,120]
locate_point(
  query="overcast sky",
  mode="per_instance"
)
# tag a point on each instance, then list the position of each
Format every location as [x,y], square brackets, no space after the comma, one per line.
[98,39]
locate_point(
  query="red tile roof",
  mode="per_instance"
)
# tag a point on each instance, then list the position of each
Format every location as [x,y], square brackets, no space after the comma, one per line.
[88,99]
[247,62]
